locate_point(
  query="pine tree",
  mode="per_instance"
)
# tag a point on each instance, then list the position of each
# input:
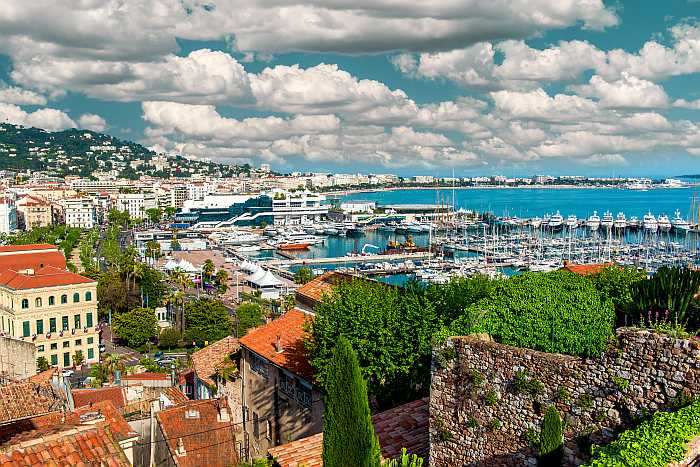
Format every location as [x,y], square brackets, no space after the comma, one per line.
[551,440]
[348,435]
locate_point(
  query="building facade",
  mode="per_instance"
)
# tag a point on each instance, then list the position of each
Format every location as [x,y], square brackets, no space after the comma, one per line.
[33,211]
[136,204]
[80,213]
[8,212]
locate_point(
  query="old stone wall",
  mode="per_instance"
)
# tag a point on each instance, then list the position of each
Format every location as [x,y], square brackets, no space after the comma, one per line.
[17,358]
[488,400]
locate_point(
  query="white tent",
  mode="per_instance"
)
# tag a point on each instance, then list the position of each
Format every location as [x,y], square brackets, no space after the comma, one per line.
[268,280]
[256,275]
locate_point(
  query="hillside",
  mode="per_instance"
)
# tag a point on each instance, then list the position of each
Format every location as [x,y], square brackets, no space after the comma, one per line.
[82,152]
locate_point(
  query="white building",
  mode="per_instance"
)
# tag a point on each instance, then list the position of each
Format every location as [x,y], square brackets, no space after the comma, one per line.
[8,212]
[297,208]
[136,204]
[80,213]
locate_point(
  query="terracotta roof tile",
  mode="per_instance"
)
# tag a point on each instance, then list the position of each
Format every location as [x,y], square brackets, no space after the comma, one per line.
[30,247]
[586,269]
[48,276]
[25,399]
[86,397]
[206,440]
[289,328]
[78,446]
[22,259]
[175,395]
[146,376]
[207,360]
[405,426]
[313,290]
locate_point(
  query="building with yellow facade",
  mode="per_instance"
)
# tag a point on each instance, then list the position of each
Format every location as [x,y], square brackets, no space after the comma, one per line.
[43,303]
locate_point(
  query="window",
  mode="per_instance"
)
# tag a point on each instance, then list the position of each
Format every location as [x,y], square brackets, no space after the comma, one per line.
[52,324]
[258,365]
[76,321]
[78,342]
[256,426]
[66,359]
[54,359]
[64,323]
[268,429]
[91,353]
[66,344]
[40,326]
[64,299]
[88,319]
[25,303]
[90,340]
[54,346]
[25,329]
[76,297]
[52,300]
[39,348]
[303,395]
[37,302]
[88,296]
[287,385]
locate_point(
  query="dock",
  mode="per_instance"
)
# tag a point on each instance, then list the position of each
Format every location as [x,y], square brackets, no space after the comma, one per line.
[347,259]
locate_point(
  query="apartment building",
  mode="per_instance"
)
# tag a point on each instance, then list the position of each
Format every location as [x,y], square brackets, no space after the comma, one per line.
[34,211]
[80,213]
[136,204]
[8,212]
[43,303]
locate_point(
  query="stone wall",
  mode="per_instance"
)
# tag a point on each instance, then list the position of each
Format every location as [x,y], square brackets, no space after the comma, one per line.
[17,358]
[487,398]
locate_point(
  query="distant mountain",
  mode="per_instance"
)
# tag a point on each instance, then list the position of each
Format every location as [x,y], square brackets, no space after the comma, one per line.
[82,152]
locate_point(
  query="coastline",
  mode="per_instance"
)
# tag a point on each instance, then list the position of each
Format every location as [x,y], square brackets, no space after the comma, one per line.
[491,187]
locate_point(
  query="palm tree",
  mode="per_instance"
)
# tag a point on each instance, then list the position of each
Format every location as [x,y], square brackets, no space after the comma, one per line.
[208,268]
[289,302]
[113,362]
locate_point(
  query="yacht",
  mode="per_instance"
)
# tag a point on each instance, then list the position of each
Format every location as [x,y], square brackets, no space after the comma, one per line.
[270,231]
[536,222]
[633,223]
[620,222]
[649,222]
[556,221]
[593,222]
[240,238]
[664,223]
[572,221]
[607,221]
[679,223]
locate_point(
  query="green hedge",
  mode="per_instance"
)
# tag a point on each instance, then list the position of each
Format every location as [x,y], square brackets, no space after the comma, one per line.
[557,312]
[656,442]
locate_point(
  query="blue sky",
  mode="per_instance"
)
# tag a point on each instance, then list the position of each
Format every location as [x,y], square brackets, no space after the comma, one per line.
[514,87]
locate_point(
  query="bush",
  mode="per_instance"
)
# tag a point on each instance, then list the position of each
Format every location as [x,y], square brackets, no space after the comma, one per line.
[136,327]
[526,385]
[654,443]
[616,284]
[169,338]
[557,312]
[551,438]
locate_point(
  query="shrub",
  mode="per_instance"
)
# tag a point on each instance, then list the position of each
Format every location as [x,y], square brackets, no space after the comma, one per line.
[472,422]
[551,438]
[616,284]
[476,378]
[654,443]
[491,398]
[443,433]
[563,394]
[406,460]
[558,312]
[585,401]
[494,424]
[526,385]
[670,292]
[532,437]
[620,383]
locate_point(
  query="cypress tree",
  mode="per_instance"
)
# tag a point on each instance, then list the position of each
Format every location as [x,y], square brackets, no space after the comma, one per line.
[349,439]
[551,439]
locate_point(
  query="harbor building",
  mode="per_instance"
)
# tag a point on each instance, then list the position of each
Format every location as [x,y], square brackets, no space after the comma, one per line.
[43,303]
[277,207]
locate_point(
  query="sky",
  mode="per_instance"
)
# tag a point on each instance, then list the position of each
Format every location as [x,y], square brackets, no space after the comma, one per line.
[471,87]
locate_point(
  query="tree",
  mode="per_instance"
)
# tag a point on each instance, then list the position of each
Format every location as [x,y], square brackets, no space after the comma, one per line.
[42,364]
[169,338]
[207,320]
[170,212]
[78,358]
[303,275]
[551,447]
[114,294]
[111,363]
[208,268]
[221,280]
[101,374]
[136,327]
[348,434]
[249,316]
[154,214]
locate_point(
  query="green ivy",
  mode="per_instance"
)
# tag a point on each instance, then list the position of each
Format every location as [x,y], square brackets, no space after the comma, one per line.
[491,398]
[656,442]
[526,385]
[620,383]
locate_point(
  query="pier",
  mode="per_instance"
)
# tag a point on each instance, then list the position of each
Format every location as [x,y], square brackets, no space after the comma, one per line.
[347,259]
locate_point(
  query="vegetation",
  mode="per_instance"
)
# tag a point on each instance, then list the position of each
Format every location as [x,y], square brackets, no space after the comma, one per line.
[557,312]
[150,365]
[655,442]
[78,358]
[406,460]
[206,321]
[65,238]
[551,448]
[455,296]
[303,275]
[523,383]
[136,327]
[169,338]
[667,296]
[249,316]
[617,284]
[348,434]
[42,364]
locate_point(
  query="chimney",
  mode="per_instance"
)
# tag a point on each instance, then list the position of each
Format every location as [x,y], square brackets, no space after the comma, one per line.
[180,451]
[278,345]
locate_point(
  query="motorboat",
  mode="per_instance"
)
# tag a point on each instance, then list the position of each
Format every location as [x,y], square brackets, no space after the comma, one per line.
[679,223]
[607,221]
[572,221]
[664,223]
[536,222]
[556,221]
[633,223]
[620,222]
[649,222]
[593,222]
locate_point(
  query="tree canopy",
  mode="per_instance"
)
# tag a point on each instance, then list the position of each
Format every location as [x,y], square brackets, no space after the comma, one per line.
[249,316]
[136,327]
[206,320]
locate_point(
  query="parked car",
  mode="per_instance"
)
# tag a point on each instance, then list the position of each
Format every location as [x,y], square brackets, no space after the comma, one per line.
[158,355]
[67,373]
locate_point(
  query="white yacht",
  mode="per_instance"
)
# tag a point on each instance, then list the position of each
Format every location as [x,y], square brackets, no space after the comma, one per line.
[649,222]
[607,221]
[664,223]
[593,222]
[572,221]
[633,223]
[536,222]
[620,222]
[241,238]
[679,223]
[556,221]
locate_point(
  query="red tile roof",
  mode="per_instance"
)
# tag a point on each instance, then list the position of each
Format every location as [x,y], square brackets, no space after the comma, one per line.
[405,426]
[20,260]
[208,359]
[206,440]
[87,397]
[30,247]
[586,269]
[146,376]
[47,276]
[81,446]
[312,291]
[26,399]
[175,396]
[289,329]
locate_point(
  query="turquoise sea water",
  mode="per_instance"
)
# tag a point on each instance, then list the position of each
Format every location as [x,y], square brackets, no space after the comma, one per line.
[529,202]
